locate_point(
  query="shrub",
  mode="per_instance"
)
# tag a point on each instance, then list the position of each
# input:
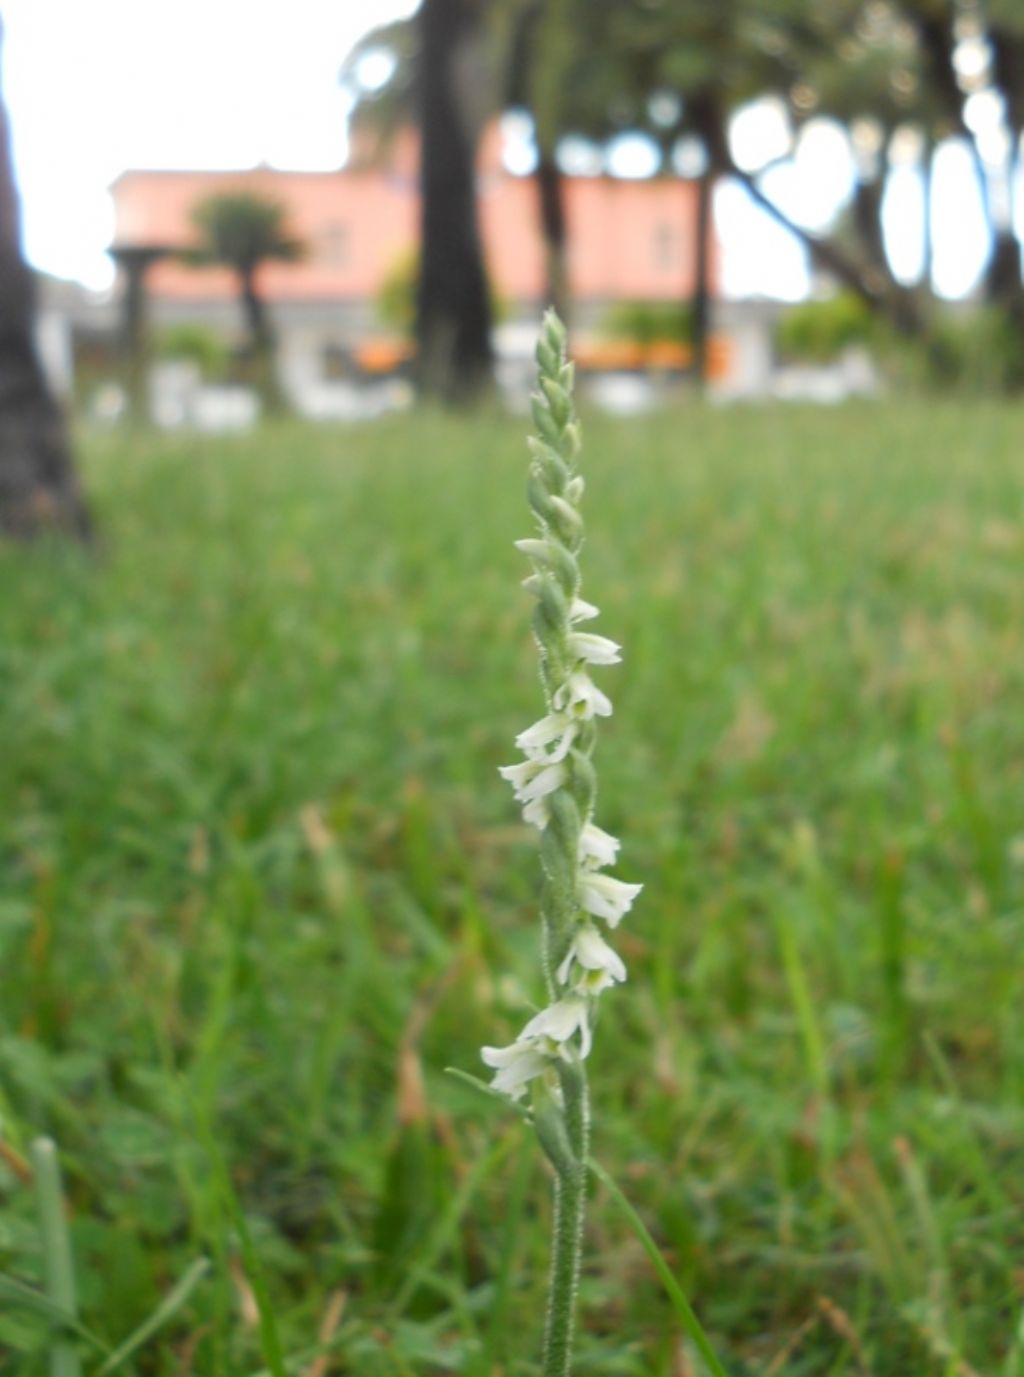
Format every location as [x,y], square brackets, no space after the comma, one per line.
[197,344]
[819,331]
[649,322]
[979,353]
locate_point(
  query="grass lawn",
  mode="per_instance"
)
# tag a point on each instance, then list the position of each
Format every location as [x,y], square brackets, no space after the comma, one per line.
[261,883]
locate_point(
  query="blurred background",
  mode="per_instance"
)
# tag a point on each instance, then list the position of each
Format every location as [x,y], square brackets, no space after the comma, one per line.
[673,179]
[270,281]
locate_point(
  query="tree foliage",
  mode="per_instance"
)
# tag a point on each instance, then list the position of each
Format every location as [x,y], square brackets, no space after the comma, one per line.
[242,230]
[894,74]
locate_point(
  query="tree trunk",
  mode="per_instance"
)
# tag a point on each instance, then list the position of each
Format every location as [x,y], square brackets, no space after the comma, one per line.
[708,119]
[701,304]
[257,324]
[134,262]
[553,231]
[134,344]
[1003,283]
[453,312]
[927,192]
[260,343]
[38,489]
[868,195]
[532,84]
[938,41]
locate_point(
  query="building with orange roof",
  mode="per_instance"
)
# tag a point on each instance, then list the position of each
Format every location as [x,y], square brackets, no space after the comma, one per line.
[627,241]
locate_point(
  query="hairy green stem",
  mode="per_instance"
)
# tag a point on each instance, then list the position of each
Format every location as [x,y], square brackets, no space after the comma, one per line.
[570,1209]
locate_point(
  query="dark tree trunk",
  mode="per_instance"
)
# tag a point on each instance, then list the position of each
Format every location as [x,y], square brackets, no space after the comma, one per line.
[134,343]
[1003,275]
[708,119]
[134,262]
[1003,284]
[701,306]
[553,231]
[257,324]
[938,44]
[38,489]
[868,196]
[927,191]
[526,87]
[1008,71]
[260,342]
[453,312]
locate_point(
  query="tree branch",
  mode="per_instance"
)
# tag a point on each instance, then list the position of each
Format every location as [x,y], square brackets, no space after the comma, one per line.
[898,310]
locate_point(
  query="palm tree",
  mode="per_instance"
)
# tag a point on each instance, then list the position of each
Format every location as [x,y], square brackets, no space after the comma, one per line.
[38,490]
[242,230]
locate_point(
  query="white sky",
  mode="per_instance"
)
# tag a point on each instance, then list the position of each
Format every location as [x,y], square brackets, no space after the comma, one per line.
[97,86]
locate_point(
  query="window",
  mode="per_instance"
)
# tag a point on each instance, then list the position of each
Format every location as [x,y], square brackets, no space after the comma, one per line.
[665,247]
[334,244]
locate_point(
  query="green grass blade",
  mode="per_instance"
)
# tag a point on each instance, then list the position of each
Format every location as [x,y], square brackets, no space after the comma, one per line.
[167,1308]
[269,1337]
[58,1263]
[803,1006]
[498,1329]
[28,1298]
[684,1310]
[449,1222]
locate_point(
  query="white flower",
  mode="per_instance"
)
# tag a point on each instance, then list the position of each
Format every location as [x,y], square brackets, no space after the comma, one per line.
[533,778]
[597,847]
[582,611]
[515,1065]
[536,813]
[541,1041]
[580,696]
[519,775]
[596,650]
[600,965]
[579,609]
[540,551]
[606,897]
[557,727]
[567,512]
[558,1022]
